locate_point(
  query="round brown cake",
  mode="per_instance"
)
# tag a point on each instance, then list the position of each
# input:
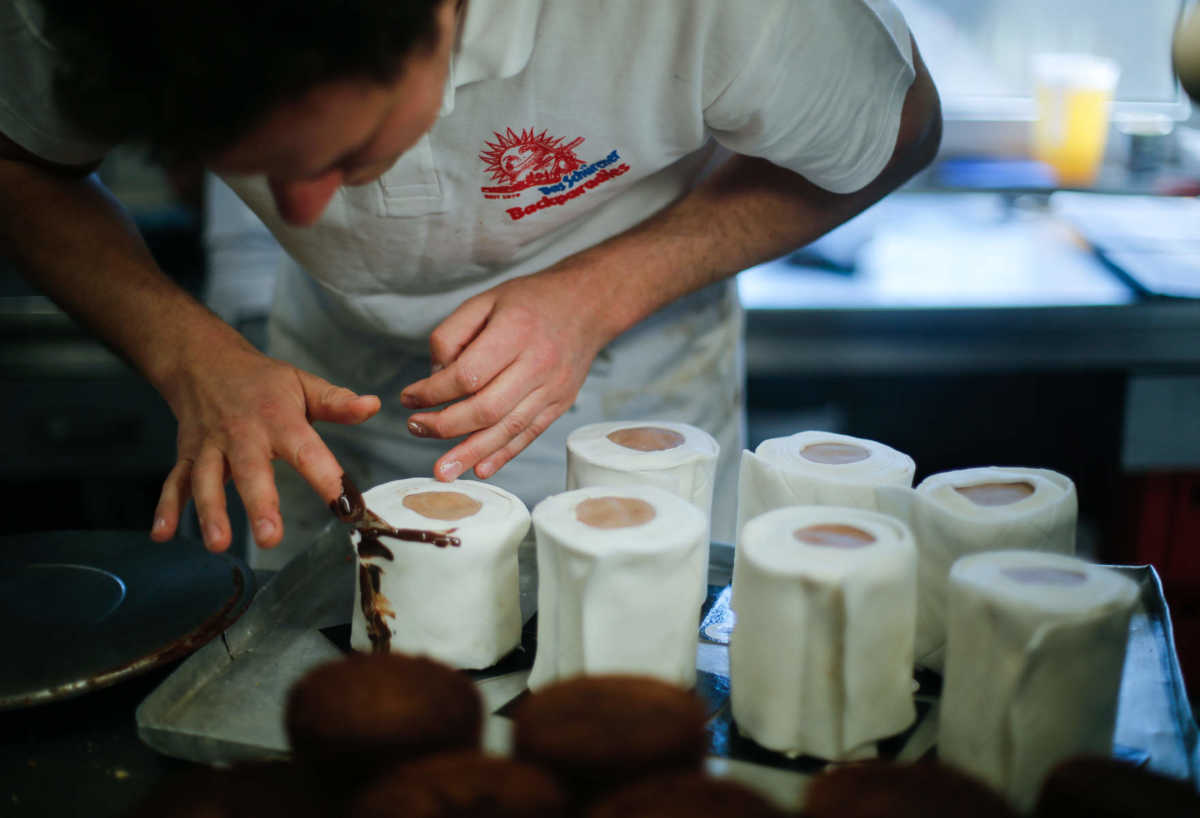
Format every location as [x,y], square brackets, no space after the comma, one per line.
[597,732]
[465,783]
[881,789]
[349,719]
[1107,788]
[683,795]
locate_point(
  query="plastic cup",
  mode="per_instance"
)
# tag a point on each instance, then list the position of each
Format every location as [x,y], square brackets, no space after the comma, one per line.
[1073,94]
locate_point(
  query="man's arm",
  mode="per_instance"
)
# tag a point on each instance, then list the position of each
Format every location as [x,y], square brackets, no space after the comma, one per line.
[237,409]
[514,357]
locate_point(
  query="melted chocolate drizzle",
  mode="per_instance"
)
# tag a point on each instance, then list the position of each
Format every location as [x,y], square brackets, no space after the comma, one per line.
[349,507]
[370,546]
[377,630]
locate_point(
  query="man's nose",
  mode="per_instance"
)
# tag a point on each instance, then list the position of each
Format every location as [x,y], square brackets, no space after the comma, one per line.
[302,202]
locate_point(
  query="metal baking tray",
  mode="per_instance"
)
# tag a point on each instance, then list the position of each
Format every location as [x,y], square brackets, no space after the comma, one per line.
[225,703]
[1155,726]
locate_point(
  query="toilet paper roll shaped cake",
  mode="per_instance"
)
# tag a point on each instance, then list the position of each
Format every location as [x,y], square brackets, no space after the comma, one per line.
[673,456]
[817,469]
[620,584]
[821,656]
[459,603]
[956,513]
[1035,654]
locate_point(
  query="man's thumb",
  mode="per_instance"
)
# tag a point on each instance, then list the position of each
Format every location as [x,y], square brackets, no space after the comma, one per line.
[335,404]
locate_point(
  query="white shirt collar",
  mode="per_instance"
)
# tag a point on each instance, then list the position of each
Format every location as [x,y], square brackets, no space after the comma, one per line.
[495,40]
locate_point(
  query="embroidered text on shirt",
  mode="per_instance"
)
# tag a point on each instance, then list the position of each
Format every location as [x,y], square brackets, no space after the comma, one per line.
[530,159]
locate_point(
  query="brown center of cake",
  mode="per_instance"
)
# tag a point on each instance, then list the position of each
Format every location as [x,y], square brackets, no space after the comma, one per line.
[834,535]
[834,454]
[442,505]
[1041,575]
[647,438]
[614,512]
[996,494]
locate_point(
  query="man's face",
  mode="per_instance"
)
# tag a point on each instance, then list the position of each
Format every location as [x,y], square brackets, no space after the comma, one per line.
[344,132]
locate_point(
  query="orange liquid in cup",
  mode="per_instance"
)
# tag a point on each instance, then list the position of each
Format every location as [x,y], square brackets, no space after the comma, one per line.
[1070,132]
[1073,95]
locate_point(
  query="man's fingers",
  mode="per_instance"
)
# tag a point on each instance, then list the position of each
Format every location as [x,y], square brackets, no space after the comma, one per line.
[488,407]
[458,330]
[483,360]
[208,489]
[175,491]
[456,381]
[255,481]
[335,404]
[494,462]
[517,424]
[300,445]
[303,450]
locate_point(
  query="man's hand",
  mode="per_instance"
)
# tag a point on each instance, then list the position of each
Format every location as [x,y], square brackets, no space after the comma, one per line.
[514,358]
[237,412]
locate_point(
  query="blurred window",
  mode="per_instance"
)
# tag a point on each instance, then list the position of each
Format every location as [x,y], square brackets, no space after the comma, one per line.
[980,51]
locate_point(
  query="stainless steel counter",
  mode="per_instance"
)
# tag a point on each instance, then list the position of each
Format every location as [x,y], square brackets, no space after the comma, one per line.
[931,283]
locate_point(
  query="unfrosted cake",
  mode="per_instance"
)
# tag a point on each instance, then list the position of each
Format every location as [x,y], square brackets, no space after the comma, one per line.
[880,789]
[351,718]
[596,732]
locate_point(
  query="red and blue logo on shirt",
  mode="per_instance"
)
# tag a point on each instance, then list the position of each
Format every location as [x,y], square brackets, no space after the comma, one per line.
[525,160]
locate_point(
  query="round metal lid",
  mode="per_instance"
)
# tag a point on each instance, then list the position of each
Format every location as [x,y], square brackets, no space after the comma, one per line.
[81,610]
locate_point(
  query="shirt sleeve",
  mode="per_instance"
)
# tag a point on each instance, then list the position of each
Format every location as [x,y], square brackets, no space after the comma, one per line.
[821,90]
[29,114]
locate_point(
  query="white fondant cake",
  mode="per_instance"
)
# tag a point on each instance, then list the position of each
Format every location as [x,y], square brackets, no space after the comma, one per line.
[817,469]
[619,594]
[821,652]
[667,455]
[1035,652]
[956,513]
[458,604]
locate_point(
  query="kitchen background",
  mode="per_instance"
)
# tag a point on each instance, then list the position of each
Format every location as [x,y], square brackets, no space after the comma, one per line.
[986,315]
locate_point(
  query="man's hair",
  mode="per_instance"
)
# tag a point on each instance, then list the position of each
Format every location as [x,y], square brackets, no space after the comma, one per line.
[189,77]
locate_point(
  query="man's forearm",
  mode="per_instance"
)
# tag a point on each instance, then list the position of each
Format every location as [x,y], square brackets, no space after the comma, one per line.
[74,243]
[237,409]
